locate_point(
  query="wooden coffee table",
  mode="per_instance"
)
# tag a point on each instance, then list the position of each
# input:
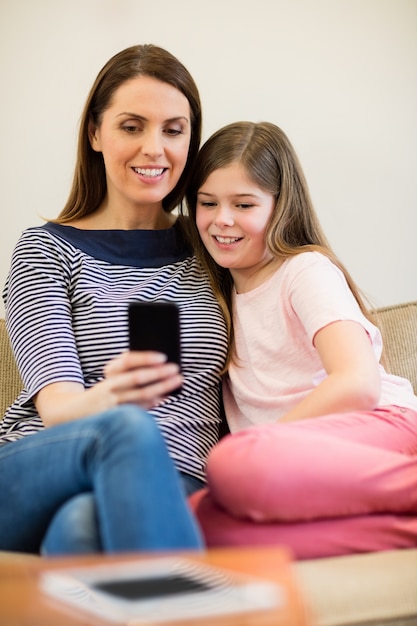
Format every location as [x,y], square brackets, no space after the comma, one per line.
[22,603]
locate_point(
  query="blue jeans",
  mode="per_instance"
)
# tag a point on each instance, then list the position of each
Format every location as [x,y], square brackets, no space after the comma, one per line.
[75,528]
[118,462]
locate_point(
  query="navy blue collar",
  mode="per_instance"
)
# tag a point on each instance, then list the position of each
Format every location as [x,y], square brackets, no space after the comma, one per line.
[136,248]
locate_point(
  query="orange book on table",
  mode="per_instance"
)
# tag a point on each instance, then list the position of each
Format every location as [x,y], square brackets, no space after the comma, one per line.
[225,587]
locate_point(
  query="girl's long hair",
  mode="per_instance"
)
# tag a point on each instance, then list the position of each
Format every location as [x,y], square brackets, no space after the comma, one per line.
[89,185]
[270,161]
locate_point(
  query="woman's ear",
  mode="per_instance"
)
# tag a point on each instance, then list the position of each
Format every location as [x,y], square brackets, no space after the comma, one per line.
[94,136]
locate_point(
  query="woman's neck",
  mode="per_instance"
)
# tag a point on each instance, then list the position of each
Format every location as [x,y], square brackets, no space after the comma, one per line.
[150,218]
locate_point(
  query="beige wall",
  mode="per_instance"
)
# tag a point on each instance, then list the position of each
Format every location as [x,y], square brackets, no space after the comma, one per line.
[339,76]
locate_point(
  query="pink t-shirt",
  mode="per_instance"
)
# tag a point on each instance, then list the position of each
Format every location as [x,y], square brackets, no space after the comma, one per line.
[275,324]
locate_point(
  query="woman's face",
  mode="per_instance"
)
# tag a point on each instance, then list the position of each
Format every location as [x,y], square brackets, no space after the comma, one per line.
[144,137]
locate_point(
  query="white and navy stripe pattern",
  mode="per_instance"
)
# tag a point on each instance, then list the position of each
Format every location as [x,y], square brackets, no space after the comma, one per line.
[66,300]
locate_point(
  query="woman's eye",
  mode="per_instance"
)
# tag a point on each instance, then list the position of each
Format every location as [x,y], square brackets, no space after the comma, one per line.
[173,131]
[207,204]
[130,128]
[244,205]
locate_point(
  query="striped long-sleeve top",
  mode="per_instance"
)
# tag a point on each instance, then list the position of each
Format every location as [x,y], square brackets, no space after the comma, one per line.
[66,301]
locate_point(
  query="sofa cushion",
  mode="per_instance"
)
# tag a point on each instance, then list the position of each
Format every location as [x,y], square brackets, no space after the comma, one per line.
[398,324]
[378,589]
[306,540]
[10,381]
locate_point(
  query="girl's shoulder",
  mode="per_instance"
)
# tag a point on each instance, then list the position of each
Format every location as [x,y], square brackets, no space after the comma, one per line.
[309,263]
[313,275]
[309,258]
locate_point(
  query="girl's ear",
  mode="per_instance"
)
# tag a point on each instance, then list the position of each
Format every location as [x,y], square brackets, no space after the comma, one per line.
[94,136]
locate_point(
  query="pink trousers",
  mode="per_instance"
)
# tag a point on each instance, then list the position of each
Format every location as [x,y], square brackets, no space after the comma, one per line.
[325,486]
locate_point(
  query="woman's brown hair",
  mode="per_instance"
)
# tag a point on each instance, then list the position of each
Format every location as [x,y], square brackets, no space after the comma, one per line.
[89,185]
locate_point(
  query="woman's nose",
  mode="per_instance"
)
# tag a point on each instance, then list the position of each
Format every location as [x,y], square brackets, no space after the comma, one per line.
[152,144]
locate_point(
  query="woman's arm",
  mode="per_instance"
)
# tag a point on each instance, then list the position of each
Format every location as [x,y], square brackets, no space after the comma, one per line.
[142,378]
[352,382]
[44,273]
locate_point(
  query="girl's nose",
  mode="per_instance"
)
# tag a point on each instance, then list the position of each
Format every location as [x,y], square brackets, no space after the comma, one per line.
[224,217]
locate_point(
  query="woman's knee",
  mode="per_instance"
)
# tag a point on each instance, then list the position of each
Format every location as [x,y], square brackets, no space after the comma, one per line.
[128,427]
[74,529]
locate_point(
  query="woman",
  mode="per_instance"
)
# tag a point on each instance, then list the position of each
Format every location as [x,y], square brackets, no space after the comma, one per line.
[70,282]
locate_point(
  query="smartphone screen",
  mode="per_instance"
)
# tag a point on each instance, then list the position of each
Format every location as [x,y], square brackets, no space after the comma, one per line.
[159,586]
[155,326]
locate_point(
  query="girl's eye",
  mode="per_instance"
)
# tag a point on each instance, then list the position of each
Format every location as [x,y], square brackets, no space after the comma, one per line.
[207,204]
[244,205]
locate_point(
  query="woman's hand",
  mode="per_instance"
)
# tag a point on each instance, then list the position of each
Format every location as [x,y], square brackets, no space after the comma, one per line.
[142,378]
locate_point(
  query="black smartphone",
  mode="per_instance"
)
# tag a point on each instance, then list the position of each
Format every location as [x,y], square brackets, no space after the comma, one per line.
[155,326]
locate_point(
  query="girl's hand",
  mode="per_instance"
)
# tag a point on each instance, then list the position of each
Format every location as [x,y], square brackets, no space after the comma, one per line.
[142,378]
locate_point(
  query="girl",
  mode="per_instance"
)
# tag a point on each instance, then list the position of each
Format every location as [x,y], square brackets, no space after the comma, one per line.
[82,467]
[323,450]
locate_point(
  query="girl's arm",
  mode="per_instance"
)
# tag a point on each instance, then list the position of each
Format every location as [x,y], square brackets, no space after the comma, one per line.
[352,382]
[141,378]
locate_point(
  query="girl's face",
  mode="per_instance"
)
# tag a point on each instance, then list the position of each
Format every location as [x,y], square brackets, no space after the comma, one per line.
[233,214]
[144,137]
